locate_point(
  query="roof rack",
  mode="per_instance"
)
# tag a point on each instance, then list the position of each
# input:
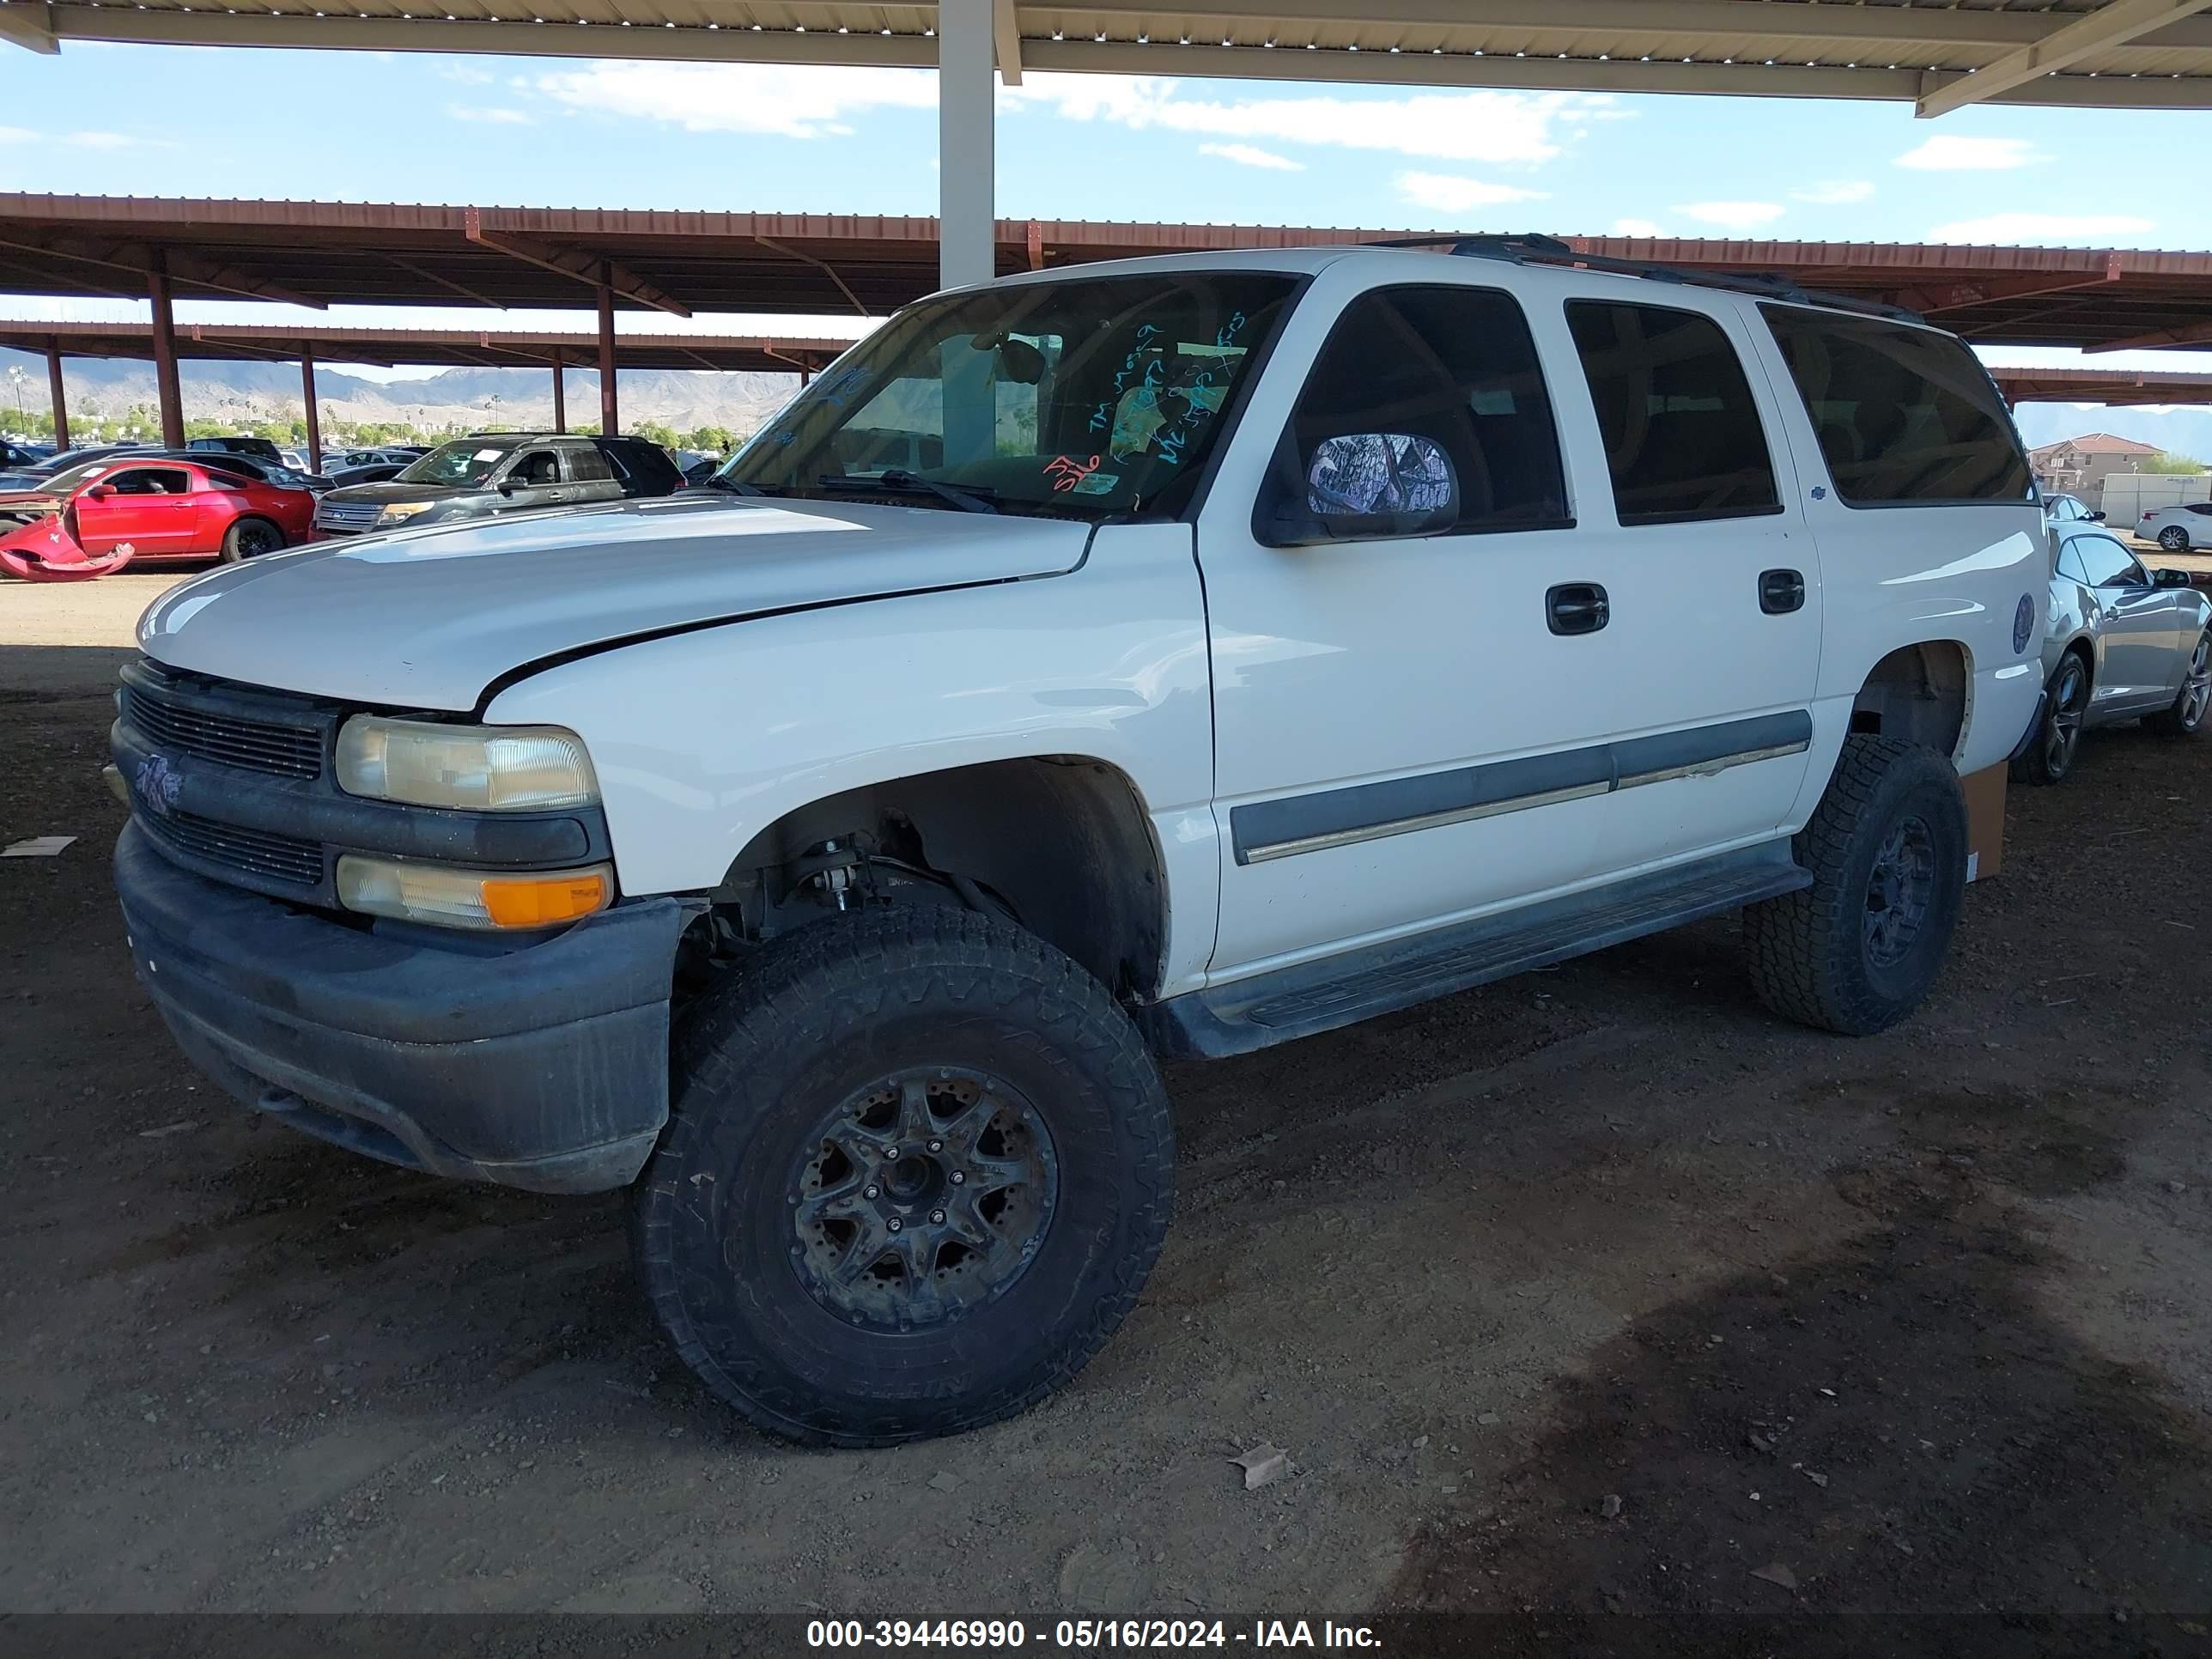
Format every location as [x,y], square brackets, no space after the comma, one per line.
[1532,249]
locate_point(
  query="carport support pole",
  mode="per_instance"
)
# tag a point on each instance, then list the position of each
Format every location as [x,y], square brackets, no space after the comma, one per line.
[315,421]
[165,354]
[610,415]
[559,395]
[54,391]
[965,209]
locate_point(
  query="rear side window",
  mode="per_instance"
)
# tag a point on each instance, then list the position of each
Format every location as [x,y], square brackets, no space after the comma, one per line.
[1906,416]
[1682,437]
[1456,365]
[587,466]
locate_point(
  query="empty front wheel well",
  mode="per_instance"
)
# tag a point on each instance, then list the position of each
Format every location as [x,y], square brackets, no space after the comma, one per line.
[1917,694]
[1060,844]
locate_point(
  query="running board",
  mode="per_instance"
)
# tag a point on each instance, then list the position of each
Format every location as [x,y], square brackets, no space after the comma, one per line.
[1246,1014]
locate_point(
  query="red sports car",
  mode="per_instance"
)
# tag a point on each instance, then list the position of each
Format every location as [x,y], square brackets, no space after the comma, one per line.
[97,518]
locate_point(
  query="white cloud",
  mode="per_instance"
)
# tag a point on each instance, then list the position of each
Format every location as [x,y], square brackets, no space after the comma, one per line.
[2041,228]
[800,103]
[1733,215]
[1835,192]
[1635,227]
[1447,192]
[1501,128]
[98,140]
[494,115]
[16,135]
[1251,156]
[1951,152]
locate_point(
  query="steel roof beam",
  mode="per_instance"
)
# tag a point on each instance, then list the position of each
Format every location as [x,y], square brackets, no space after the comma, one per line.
[28,24]
[139,260]
[2112,24]
[589,269]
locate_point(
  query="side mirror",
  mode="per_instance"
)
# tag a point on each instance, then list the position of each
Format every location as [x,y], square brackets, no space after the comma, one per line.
[2169,577]
[1368,486]
[2094,517]
[100,492]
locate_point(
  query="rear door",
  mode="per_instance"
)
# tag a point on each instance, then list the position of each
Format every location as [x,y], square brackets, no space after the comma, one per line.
[1686,523]
[587,474]
[152,510]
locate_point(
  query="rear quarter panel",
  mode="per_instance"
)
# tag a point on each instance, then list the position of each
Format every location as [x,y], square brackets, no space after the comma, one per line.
[1897,576]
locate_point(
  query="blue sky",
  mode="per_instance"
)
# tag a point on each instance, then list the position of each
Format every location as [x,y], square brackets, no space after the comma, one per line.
[104,120]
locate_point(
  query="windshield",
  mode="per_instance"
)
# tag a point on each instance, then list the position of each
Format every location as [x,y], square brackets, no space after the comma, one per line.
[467,461]
[1080,398]
[75,477]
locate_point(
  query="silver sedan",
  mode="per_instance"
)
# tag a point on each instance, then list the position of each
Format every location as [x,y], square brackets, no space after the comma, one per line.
[2123,643]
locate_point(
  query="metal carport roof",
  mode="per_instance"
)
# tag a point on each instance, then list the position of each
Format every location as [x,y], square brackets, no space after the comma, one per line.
[1938,54]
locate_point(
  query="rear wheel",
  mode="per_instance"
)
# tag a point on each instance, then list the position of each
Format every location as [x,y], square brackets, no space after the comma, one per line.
[2186,717]
[1858,951]
[918,1166]
[2173,538]
[2050,757]
[249,538]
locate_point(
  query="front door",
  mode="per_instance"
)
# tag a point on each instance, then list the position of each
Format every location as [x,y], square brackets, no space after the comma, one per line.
[150,508]
[534,480]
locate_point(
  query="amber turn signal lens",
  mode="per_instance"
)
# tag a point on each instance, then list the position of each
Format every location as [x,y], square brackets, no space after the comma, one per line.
[542,900]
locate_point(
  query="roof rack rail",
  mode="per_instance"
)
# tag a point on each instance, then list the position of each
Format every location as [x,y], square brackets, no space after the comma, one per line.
[1532,249]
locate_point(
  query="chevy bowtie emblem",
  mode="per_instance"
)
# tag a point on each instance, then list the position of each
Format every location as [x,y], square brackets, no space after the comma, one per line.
[158,786]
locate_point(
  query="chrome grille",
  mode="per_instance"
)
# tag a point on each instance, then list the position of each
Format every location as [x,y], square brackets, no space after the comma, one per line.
[255,852]
[347,516]
[289,751]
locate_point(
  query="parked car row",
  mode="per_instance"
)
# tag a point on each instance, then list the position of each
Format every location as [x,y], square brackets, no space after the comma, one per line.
[90,512]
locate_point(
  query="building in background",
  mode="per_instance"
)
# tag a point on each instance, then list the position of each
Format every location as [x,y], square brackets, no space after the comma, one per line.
[2078,466]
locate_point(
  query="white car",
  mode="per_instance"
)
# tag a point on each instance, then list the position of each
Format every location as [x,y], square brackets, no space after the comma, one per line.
[2179,529]
[1164,658]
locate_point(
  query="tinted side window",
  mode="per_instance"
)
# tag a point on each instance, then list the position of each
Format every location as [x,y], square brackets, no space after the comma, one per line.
[2103,562]
[1456,365]
[586,466]
[1903,414]
[152,481]
[537,466]
[1681,433]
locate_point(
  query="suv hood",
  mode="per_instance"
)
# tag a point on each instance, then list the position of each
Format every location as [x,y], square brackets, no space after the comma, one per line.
[429,618]
[395,491]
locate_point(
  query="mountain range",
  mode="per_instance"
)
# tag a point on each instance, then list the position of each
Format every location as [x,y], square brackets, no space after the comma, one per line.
[681,398]
[685,399]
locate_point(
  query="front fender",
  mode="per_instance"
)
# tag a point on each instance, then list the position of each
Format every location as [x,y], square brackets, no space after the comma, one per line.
[701,739]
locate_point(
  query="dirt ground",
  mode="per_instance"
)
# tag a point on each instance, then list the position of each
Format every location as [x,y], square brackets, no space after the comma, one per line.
[1593,1294]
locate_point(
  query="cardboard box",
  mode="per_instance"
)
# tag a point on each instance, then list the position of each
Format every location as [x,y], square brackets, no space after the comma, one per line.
[1985,810]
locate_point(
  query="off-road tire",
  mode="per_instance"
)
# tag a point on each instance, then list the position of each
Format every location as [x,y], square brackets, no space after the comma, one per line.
[1810,960]
[239,542]
[813,1016]
[2185,718]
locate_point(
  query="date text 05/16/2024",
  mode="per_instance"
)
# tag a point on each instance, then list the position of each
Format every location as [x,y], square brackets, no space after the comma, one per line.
[1086,1634]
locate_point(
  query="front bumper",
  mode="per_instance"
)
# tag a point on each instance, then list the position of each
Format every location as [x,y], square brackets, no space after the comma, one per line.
[544,1068]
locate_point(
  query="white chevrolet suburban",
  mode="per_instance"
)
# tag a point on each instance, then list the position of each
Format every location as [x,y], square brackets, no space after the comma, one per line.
[1168,657]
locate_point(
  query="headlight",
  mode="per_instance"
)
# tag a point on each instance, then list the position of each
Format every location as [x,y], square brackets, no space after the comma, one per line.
[480,899]
[400,511]
[485,768]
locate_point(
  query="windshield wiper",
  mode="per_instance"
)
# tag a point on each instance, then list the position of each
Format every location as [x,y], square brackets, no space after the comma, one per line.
[977,499]
[716,481]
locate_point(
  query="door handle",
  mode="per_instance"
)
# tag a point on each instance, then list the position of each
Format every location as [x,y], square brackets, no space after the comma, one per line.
[1781,592]
[1576,608]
